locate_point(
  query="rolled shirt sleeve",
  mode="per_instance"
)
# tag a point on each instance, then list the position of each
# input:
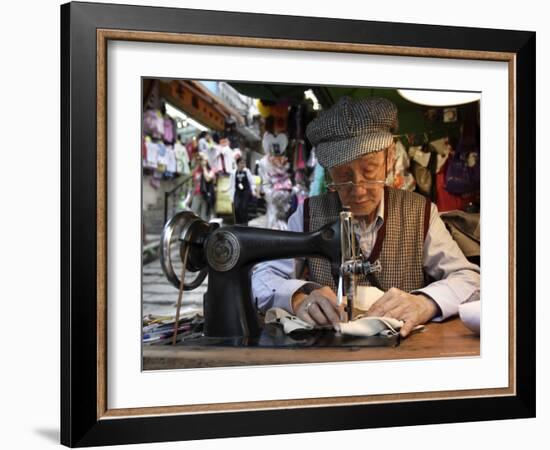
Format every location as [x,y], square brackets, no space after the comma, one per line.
[275,282]
[457,279]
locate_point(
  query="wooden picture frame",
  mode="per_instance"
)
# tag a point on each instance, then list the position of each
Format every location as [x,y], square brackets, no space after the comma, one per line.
[86,418]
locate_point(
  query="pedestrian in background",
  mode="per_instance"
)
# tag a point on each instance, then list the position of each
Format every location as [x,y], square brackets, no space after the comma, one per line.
[241,189]
[203,188]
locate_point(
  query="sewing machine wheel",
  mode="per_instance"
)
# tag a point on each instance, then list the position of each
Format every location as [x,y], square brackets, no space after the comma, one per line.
[184,231]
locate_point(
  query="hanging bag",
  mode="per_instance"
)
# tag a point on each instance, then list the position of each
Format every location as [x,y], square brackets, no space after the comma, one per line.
[463,174]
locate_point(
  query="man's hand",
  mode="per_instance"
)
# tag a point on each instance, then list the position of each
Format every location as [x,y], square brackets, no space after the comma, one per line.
[317,308]
[410,308]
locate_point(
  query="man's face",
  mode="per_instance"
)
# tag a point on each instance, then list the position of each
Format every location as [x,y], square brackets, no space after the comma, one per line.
[363,200]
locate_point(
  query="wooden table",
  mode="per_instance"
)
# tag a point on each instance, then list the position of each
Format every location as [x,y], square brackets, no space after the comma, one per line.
[437,340]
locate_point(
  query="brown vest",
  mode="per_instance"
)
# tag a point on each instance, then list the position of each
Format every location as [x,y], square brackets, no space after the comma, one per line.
[399,244]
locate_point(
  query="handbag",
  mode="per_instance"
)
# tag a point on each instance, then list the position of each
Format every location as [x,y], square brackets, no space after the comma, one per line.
[463,173]
[425,176]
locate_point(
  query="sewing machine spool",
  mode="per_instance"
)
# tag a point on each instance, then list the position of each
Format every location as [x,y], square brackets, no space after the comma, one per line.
[227,255]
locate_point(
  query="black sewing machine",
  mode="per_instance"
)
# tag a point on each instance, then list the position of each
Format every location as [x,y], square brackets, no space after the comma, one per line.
[228,254]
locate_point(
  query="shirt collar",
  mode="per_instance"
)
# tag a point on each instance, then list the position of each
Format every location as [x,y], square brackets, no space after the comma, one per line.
[378,221]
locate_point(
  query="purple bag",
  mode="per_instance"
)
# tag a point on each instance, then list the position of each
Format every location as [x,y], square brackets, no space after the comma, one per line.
[462,175]
[169,134]
[153,124]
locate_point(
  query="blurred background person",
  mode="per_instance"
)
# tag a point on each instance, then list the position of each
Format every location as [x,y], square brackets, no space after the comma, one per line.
[204,195]
[241,189]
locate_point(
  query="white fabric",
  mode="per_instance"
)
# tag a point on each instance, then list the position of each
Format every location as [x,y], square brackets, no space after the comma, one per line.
[228,156]
[366,297]
[416,153]
[289,322]
[182,159]
[442,148]
[363,326]
[152,154]
[370,326]
[470,314]
[171,165]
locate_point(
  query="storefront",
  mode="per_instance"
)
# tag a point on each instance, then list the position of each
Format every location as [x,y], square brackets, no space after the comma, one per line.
[175,113]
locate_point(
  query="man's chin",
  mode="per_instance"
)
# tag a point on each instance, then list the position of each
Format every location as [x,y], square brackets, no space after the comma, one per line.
[362,209]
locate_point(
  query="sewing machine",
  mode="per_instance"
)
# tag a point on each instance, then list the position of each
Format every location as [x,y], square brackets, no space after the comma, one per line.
[228,254]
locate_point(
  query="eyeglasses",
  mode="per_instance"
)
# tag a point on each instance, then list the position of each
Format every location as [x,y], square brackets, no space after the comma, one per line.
[349,185]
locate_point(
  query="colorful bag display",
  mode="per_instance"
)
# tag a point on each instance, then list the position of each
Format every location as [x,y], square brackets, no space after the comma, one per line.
[169,130]
[153,123]
[463,172]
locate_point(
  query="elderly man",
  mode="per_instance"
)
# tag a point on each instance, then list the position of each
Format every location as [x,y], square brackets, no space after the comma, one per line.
[424,275]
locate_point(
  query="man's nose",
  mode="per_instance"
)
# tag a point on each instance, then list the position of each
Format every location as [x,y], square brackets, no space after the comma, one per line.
[358,189]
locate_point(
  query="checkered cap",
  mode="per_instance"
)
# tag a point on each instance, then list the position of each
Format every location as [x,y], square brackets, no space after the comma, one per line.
[351,129]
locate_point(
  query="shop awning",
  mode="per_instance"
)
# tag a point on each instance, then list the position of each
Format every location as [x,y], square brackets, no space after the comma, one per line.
[199,103]
[413,118]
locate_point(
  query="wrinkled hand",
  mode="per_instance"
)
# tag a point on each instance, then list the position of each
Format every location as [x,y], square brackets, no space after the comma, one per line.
[317,308]
[410,308]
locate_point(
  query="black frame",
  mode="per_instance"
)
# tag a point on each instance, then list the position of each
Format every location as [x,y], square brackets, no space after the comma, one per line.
[79,423]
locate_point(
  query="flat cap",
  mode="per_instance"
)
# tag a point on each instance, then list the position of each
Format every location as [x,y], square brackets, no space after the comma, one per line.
[351,129]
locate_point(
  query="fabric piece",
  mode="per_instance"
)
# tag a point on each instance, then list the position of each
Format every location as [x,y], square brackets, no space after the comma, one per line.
[162,161]
[465,230]
[441,146]
[418,155]
[171,164]
[182,159]
[366,297]
[227,159]
[213,155]
[370,326]
[470,314]
[151,160]
[363,327]
[443,149]
[400,176]
[169,134]
[289,322]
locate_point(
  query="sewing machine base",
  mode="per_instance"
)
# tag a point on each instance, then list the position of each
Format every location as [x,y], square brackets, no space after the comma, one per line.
[274,337]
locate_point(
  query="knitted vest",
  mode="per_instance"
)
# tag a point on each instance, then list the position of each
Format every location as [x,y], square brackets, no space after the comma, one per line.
[399,244]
